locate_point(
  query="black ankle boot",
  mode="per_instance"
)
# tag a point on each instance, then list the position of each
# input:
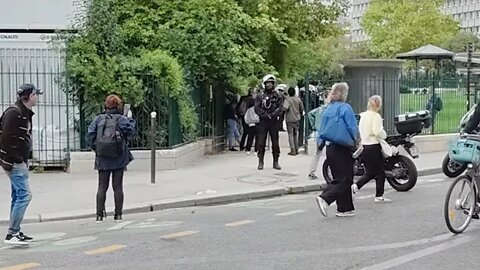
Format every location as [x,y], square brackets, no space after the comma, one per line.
[260,164]
[276,166]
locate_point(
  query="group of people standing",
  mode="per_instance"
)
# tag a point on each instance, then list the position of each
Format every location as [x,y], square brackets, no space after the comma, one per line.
[338,132]
[108,136]
[262,115]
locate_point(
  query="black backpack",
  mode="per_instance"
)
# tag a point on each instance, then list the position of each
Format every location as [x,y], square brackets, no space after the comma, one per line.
[109,142]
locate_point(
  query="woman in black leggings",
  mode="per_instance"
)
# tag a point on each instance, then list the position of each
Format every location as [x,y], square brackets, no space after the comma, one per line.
[371,131]
[111,159]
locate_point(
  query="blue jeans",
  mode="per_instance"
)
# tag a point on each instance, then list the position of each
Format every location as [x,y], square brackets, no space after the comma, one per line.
[21,195]
[233,133]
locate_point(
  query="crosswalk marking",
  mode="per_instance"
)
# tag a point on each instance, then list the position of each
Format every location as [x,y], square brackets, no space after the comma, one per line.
[289,213]
[104,250]
[120,226]
[239,223]
[178,234]
[21,266]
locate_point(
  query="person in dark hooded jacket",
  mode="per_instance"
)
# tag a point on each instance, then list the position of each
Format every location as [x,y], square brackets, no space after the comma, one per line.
[114,166]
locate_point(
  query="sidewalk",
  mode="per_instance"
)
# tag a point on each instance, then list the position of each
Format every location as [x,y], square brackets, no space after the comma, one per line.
[214,179]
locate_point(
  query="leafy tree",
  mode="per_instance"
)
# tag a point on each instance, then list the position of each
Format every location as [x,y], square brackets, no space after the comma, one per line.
[458,42]
[302,23]
[399,26]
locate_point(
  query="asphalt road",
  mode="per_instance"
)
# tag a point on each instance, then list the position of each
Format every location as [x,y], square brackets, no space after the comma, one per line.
[279,233]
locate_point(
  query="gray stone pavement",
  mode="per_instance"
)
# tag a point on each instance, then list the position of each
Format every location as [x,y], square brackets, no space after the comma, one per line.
[214,179]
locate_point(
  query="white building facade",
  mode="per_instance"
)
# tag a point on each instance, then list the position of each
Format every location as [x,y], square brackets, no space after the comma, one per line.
[27,55]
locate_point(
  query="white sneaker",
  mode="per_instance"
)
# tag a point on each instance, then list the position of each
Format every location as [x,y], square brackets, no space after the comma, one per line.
[354,191]
[382,200]
[248,153]
[323,205]
[346,214]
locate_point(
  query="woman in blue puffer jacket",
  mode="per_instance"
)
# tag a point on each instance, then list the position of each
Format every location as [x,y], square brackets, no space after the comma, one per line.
[340,133]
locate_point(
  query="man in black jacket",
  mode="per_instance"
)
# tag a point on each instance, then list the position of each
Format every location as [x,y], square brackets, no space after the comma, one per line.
[269,107]
[15,150]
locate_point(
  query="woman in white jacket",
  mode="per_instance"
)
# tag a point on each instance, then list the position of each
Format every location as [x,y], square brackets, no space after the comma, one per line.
[371,131]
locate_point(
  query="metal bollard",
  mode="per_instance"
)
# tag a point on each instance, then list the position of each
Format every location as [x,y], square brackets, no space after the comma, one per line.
[153,146]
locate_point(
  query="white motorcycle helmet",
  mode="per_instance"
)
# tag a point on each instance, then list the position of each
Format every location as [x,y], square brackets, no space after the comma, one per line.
[269,78]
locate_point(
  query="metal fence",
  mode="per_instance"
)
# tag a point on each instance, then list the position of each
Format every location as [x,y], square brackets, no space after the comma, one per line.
[415,94]
[60,124]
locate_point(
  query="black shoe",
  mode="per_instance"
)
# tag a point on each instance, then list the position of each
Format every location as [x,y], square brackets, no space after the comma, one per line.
[232,149]
[15,239]
[291,153]
[99,218]
[276,166]
[25,237]
[475,216]
[260,165]
[117,218]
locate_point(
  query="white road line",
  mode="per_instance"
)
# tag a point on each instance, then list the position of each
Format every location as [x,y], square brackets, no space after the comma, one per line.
[120,226]
[371,195]
[433,180]
[418,254]
[284,214]
[239,223]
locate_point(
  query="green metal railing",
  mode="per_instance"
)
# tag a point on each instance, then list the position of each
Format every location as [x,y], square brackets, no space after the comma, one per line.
[415,94]
[60,125]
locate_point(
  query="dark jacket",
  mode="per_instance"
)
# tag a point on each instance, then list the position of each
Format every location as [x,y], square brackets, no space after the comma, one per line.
[474,120]
[127,127]
[230,112]
[16,135]
[269,106]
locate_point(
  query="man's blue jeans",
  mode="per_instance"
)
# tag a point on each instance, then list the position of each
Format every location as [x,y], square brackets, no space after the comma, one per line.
[21,195]
[233,134]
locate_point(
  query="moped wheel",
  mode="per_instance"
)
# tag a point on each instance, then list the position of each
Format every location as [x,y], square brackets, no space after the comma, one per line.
[451,168]
[327,172]
[402,173]
[459,204]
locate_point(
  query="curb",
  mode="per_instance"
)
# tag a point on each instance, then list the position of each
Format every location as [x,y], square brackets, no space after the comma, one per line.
[189,202]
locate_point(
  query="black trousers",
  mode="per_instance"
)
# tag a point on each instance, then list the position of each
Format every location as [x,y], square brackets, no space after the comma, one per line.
[103,183]
[374,168]
[251,133]
[268,127]
[341,163]
[244,134]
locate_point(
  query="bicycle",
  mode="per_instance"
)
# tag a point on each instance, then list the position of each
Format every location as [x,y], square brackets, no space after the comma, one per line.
[466,150]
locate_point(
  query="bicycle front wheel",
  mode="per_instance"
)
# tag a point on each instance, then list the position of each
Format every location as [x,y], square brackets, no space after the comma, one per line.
[459,204]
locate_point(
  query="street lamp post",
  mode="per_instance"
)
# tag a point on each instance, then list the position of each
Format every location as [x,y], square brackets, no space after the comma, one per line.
[153,146]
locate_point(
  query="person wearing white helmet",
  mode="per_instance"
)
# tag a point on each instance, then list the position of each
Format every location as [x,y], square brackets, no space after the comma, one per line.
[269,107]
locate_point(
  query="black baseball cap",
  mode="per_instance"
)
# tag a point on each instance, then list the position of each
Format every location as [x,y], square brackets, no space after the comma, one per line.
[27,89]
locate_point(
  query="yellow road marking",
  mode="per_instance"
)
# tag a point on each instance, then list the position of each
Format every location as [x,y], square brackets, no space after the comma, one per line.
[21,266]
[239,223]
[104,249]
[178,234]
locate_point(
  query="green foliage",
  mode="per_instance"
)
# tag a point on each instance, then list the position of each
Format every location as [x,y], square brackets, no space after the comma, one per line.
[458,42]
[101,61]
[293,50]
[400,26]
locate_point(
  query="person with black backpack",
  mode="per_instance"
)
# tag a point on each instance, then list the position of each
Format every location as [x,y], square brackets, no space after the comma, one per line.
[108,136]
